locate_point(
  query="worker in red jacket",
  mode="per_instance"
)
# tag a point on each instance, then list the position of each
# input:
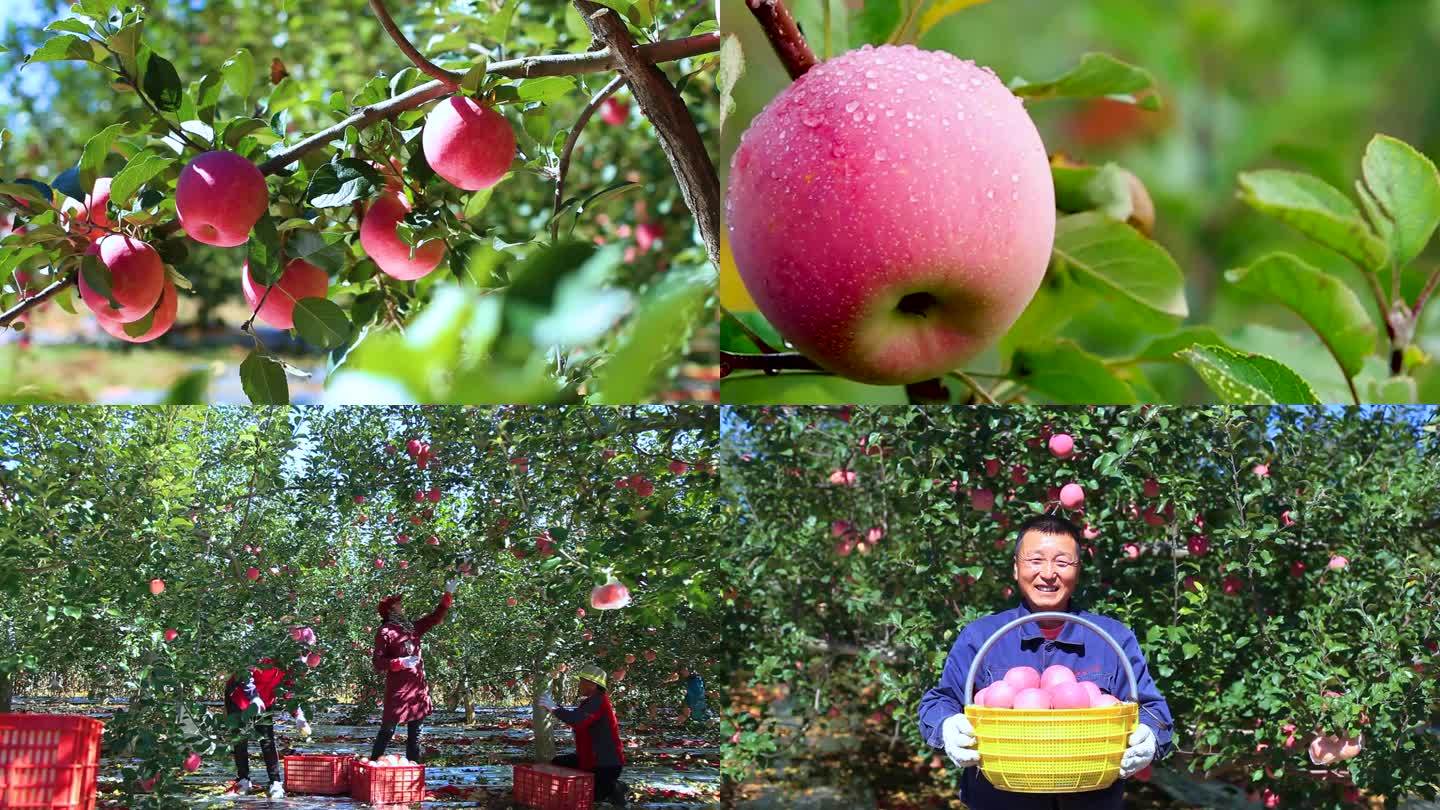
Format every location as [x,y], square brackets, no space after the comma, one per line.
[397,654]
[257,688]
[597,736]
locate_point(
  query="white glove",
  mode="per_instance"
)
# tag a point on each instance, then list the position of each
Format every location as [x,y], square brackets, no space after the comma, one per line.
[1140,752]
[300,716]
[959,738]
[259,704]
[410,661]
[304,728]
[451,585]
[547,701]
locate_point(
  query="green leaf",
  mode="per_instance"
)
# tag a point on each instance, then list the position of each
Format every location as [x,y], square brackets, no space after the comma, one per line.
[497,28]
[877,21]
[238,73]
[1162,349]
[65,47]
[806,389]
[1093,188]
[162,83]
[732,67]
[126,45]
[939,11]
[1406,196]
[263,252]
[1401,390]
[734,339]
[546,88]
[97,277]
[263,380]
[1248,379]
[1329,307]
[92,158]
[139,171]
[1063,372]
[137,328]
[1114,260]
[1316,209]
[664,318]
[1098,75]
[341,183]
[321,322]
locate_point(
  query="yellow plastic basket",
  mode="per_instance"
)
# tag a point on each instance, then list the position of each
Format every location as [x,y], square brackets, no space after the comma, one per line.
[1052,750]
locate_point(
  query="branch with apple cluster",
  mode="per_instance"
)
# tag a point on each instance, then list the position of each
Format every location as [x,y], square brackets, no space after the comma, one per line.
[618,52]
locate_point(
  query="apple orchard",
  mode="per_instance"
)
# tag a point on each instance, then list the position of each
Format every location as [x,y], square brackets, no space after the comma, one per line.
[148,553]
[461,201]
[1278,567]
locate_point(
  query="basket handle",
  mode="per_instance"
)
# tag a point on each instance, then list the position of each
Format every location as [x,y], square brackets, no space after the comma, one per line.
[1035,617]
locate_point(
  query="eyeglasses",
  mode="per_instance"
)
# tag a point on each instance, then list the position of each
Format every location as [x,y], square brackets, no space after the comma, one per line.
[1061,564]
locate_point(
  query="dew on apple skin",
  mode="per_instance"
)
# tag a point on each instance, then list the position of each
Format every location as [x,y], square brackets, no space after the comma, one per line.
[849,108]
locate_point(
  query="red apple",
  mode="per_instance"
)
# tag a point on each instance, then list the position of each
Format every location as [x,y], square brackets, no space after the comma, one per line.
[157,587]
[299,280]
[219,198]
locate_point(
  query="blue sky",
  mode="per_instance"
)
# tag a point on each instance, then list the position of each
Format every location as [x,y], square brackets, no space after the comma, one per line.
[34,81]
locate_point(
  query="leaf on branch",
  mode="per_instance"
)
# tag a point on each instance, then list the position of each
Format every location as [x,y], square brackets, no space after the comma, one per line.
[138,328]
[1114,260]
[1241,378]
[545,89]
[341,183]
[139,171]
[1098,75]
[1063,372]
[68,183]
[264,253]
[66,47]
[238,73]
[1329,307]
[321,322]
[1316,209]
[161,83]
[732,67]
[1401,192]
[263,380]
[92,158]
[97,277]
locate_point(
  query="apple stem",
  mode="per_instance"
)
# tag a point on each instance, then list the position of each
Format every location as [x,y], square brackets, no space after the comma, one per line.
[784,35]
[449,78]
[931,390]
[769,363]
[570,141]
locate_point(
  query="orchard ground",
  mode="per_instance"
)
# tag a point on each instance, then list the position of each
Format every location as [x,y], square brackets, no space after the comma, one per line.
[467,765]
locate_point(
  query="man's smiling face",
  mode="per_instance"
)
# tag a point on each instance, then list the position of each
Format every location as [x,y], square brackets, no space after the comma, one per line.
[1047,569]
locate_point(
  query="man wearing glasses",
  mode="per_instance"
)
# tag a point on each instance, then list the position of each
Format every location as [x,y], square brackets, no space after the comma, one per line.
[1047,571]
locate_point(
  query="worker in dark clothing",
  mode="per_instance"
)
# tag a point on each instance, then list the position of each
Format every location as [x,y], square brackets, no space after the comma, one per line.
[597,736]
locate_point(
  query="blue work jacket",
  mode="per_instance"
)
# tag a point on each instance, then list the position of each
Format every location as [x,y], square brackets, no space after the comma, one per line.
[1078,648]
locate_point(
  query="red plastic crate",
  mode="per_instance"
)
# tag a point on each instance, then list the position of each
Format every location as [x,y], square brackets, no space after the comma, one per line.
[551,787]
[323,774]
[393,785]
[48,761]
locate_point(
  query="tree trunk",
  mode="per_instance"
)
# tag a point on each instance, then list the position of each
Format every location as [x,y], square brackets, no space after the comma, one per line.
[6,692]
[469,708]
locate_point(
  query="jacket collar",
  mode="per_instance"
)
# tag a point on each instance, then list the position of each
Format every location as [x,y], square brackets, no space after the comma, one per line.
[1071,635]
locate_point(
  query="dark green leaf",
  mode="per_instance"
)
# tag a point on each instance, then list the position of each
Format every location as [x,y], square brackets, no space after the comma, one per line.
[263,380]
[139,171]
[341,183]
[97,277]
[162,83]
[263,252]
[1063,372]
[322,323]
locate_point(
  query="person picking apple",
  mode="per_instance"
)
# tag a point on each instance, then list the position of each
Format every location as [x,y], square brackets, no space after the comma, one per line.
[257,687]
[397,654]
[597,735]
[696,708]
[1047,572]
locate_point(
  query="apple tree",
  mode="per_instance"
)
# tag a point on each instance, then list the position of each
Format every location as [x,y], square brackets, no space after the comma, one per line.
[899,229]
[465,204]
[150,553]
[1276,565]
